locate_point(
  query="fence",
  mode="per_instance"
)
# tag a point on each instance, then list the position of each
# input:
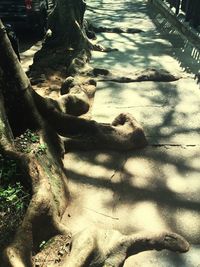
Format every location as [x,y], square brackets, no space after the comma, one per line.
[191,8]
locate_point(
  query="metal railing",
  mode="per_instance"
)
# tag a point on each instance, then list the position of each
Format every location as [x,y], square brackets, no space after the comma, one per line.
[191,8]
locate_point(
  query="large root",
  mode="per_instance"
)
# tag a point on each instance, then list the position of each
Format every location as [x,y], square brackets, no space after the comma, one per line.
[124,133]
[149,74]
[102,248]
[77,95]
[101,29]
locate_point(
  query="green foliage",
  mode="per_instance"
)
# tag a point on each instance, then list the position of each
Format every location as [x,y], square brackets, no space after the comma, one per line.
[41,149]
[32,137]
[26,142]
[29,142]
[13,200]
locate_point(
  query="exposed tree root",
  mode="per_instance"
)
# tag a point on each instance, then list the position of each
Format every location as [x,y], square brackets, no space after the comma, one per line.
[124,133]
[99,247]
[78,94]
[114,29]
[149,74]
[100,48]
[54,251]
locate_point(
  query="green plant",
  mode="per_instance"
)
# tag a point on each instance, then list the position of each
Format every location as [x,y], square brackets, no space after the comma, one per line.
[41,149]
[32,137]
[14,199]
[27,141]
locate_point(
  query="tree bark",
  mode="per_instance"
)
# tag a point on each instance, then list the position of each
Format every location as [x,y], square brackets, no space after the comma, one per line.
[66,22]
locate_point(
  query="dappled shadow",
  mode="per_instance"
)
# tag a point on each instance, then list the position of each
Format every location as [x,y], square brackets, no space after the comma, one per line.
[167,114]
[128,193]
[158,162]
[158,187]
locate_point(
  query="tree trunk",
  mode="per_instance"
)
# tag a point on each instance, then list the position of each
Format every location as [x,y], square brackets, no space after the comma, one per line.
[66,22]
[45,171]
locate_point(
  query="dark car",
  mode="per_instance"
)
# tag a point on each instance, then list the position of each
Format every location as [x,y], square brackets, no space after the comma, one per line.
[26,13]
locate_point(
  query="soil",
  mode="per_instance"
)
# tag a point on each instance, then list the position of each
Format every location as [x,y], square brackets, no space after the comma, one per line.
[52,252]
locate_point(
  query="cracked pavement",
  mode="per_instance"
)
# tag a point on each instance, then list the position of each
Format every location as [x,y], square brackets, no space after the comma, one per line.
[156,188]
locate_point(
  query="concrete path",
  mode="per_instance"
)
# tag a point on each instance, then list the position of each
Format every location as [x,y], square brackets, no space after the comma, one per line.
[156,188]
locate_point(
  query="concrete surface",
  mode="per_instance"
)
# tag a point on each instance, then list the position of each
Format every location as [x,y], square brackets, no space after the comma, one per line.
[156,188]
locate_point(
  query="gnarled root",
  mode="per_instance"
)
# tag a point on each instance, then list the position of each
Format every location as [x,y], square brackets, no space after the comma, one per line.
[124,133]
[99,247]
[149,74]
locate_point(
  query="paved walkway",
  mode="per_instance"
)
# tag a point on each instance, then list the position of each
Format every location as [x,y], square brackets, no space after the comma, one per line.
[158,187]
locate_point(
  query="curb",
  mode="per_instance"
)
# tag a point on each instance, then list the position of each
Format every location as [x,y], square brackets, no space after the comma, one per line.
[188,32]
